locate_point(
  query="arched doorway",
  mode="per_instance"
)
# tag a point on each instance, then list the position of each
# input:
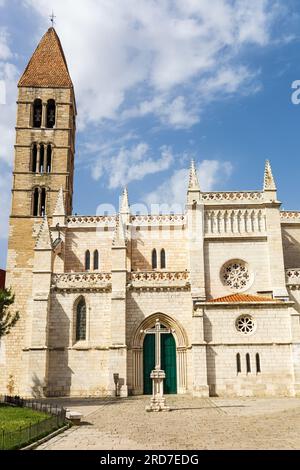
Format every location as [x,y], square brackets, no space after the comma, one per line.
[168,362]
[175,349]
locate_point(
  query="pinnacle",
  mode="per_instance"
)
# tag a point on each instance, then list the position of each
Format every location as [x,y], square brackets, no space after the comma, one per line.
[44,240]
[269,182]
[125,201]
[60,205]
[193,178]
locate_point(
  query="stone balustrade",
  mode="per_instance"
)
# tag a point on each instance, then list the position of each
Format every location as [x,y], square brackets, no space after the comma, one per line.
[159,279]
[146,220]
[290,217]
[81,281]
[230,196]
[91,221]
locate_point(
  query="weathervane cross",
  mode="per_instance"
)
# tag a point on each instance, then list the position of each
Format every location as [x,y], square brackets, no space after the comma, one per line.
[52,18]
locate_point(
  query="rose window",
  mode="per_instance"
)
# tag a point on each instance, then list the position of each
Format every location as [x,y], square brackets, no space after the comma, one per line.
[245,324]
[236,275]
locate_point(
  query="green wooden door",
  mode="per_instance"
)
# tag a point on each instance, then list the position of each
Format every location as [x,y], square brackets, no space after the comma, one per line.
[168,362]
[149,362]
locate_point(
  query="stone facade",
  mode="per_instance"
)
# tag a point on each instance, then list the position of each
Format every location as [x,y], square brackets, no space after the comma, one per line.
[225,279]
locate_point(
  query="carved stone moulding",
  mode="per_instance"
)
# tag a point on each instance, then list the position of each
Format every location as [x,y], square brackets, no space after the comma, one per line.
[292,276]
[290,217]
[246,196]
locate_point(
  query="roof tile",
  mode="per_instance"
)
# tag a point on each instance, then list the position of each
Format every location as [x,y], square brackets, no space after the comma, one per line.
[237,298]
[47,66]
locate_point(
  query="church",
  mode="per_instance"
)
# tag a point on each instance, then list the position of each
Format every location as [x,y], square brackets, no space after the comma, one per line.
[222,278]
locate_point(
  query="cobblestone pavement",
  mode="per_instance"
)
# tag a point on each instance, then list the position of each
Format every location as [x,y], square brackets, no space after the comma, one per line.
[193,423]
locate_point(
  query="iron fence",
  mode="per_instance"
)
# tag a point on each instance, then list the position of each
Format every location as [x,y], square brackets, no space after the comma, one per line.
[17,439]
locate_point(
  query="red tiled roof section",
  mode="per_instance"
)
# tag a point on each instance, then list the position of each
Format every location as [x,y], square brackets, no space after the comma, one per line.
[236,298]
[47,66]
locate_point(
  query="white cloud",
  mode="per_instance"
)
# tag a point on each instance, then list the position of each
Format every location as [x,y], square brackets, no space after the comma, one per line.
[117,48]
[172,113]
[8,78]
[131,164]
[227,81]
[173,191]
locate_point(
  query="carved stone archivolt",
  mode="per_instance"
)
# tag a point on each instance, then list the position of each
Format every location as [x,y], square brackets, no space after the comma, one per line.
[137,343]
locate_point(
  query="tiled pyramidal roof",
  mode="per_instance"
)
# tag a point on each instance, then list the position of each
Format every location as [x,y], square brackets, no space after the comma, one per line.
[47,66]
[243,298]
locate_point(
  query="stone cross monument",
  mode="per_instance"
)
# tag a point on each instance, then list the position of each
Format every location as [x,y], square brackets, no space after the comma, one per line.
[157,375]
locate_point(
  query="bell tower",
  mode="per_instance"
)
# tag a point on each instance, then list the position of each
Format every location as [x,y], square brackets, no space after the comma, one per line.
[44,163]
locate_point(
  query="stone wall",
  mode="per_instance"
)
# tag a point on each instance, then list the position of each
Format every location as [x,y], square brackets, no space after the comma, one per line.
[271,339]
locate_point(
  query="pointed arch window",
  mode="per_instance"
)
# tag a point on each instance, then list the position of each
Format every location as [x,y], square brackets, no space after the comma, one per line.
[238,363]
[37,113]
[51,114]
[81,320]
[257,360]
[43,202]
[163,259]
[248,363]
[154,259]
[87,260]
[42,159]
[39,200]
[96,260]
[34,155]
[49,158]
[36,195]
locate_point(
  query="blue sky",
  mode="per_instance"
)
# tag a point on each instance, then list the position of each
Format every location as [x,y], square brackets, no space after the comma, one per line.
[161,82]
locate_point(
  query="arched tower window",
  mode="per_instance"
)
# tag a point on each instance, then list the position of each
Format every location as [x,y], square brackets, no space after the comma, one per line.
[162,259]
[42,158]
[35,205]
[34,158]
[43,202]
[257,360]
[248,363]
[51,112]
[87,260]
[81,320]
[37,113]
[96,260]
[238,363]
[49,158]
[154,259]
[39,197]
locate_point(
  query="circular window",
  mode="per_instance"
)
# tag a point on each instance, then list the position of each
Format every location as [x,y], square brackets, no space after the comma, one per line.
[236,275]
[245,324]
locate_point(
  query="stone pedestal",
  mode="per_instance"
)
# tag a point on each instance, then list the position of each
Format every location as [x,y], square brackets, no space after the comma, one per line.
[158,401]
